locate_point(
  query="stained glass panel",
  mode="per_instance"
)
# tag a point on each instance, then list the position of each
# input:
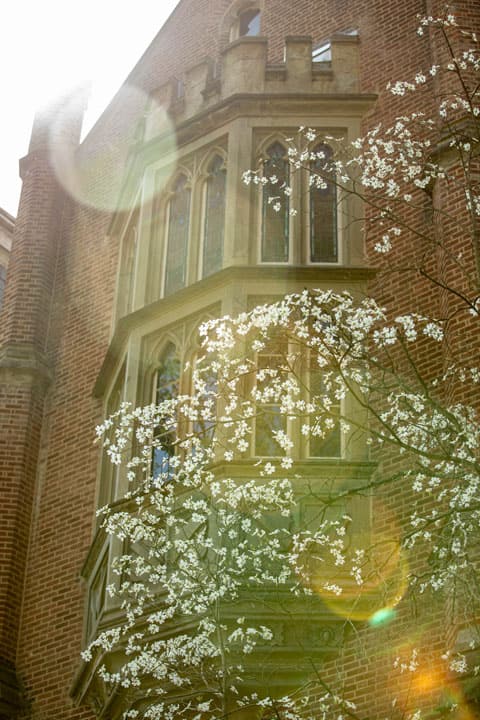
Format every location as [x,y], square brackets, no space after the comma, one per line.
[329,444]
[166,388]
[275,221]
[323,211]
[177,240]
[269,419]
[214,217]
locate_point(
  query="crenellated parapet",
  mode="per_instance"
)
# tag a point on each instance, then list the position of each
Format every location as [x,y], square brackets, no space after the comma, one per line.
[243,69]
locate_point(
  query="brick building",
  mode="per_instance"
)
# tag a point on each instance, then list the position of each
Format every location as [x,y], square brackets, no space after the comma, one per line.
[125,242]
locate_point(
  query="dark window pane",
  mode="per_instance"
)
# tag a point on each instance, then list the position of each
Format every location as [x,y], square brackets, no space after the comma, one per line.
[323,212]
[330,444]
[268,421]
[3,279]
[127,270]
[168,375]
[214,217]
[177,241]
[166,388]
[275,223]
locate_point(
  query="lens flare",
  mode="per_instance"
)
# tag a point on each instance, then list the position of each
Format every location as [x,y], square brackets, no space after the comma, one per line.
[366,579]
[382,617]
[430,683]
[89,173]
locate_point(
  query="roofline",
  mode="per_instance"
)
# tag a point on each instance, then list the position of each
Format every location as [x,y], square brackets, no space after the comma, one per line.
[94,127]
[7,220]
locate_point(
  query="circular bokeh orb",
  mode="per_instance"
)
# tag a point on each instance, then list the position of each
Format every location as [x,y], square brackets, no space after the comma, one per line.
[372,578]
[382,617]
[89,172]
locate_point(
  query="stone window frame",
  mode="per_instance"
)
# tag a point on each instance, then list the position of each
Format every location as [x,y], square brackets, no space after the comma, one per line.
[125,303]
[96,594]
[201,186]
[169,194]
[261,155]
[109,474]
[299,223]
[3,282]
[184,338]
[194,165]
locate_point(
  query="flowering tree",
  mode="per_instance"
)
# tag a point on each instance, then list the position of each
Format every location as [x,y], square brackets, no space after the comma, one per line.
[248,520]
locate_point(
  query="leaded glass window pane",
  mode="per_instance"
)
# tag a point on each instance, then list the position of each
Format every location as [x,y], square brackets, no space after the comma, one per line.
[177,240]
[323,211]
[269,419]
[329,444]
[127,271]
[275,222]
[166,388]
[214,217]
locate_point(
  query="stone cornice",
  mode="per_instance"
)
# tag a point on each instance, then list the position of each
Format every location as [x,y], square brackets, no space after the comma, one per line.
[256,104]
[23,364]
[349,276]
[288,105]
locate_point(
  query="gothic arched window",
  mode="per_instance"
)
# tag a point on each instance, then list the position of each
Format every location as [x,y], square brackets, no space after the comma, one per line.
[214,223]
[177,236]
[323,240]
[275,206]
[167,379]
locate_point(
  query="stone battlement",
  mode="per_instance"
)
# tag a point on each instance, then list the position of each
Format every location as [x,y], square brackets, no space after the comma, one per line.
[243,69]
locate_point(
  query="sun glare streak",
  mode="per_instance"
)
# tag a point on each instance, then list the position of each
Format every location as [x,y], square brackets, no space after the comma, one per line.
[369,583]
[87,175]
[58,47]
